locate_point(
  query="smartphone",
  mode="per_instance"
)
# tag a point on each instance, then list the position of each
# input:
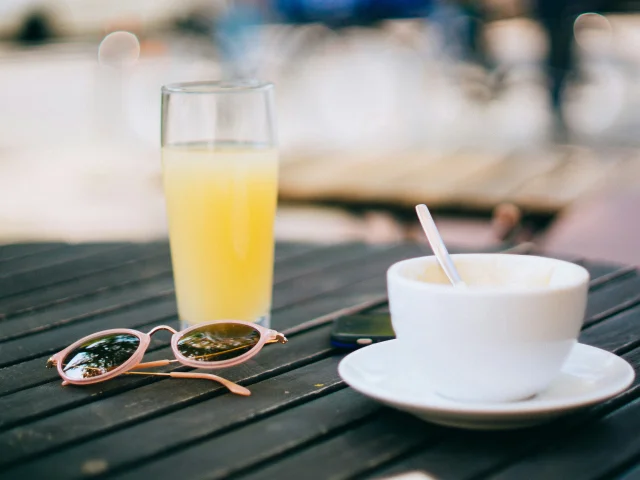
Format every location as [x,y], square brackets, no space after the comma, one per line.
[355,331]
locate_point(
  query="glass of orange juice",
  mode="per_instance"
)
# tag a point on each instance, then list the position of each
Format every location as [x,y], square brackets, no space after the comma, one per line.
[220,172]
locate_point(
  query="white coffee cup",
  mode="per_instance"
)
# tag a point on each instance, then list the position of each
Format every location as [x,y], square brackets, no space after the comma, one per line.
[504,338]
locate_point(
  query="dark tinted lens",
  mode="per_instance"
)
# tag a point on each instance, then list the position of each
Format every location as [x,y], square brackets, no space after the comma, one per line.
[221,341]
[100,355]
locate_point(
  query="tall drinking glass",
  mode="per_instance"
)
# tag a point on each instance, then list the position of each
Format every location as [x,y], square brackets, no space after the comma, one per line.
[220,170]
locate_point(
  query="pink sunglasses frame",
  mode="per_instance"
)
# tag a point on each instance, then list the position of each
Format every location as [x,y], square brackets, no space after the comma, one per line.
[267,335]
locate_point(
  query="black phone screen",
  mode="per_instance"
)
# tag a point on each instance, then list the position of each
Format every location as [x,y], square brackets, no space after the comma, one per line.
[363,329]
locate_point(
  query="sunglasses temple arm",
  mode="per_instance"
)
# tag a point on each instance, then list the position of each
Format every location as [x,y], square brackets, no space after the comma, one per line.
[233,387]
[157,363]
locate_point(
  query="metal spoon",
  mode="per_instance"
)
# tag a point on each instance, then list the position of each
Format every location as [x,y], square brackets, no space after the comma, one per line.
[438,247]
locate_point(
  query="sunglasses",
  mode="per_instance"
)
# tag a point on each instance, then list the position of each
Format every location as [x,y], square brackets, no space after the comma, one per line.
[107,354]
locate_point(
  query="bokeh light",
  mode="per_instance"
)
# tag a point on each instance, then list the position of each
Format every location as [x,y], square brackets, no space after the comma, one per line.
[119,49]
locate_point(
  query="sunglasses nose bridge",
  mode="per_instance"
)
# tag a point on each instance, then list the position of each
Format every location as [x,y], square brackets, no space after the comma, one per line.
[161,327]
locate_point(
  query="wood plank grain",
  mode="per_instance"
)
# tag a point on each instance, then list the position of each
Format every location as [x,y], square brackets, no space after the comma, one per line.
[50,397]
[478,453]
[319,259]
[633,473]
[67,253]
[234,435]
[13,379]
[599,340]
[48,342]
[19,250]
[92,306]
[357,288]
[108,303]
[323,334]
[248,446]
[339,276]
[354,451]
[320,335]
[597,270]
[612,298]
[73,265]
[27,405]
[104,300]
[32,374]
[605,278]
[152,261]
[376,285]
[619,333]
[286,250]
[589,453]
[163,398]
[353,294]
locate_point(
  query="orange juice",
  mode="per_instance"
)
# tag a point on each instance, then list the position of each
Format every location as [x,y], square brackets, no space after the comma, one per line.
[221,204]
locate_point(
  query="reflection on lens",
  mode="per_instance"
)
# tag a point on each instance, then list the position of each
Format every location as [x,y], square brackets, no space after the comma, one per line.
[221,341]
[99,356]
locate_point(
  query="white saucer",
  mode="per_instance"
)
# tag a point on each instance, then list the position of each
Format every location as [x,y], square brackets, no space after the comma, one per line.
[590,375]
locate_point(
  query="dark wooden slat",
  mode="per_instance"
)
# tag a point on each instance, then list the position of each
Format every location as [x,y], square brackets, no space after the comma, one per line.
[380,310]
[286,250]
[474,452]
[605,271]
[38,344]
[104,300]
[271,420]
[611,297]
[61,270]
[591,452]
[357,450]
[55,257]
[12,349]
[282,249]
[619,333]
[477,453]
[245,446]
[630,322]
[319,259]
[69,312]
[19,250]
[50,397]
[598,281]
[323,306]
[35,438]
[356,288]
[153,261]
[32,372]
[632,474]
[375,286]
[113,299]
[24,375]
[19,376]
[343,274]
[353,294]
[41,400]
[597,270]
[41,406]
[467,454]
[38,401]
[372,287]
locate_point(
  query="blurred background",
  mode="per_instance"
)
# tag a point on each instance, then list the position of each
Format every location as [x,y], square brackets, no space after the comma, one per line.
[514,120]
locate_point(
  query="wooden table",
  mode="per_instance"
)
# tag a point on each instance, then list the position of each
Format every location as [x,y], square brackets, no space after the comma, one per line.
[301,421]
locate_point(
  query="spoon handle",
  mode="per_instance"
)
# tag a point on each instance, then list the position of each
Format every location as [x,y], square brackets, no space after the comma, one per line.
[438,246]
